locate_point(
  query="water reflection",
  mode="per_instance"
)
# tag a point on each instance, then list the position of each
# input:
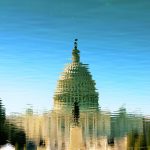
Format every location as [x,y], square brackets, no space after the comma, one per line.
[96,130]
[87,130]
[76,122]
[10,132]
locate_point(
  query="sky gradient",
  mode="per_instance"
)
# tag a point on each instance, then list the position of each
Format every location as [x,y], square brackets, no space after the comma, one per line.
[36,40]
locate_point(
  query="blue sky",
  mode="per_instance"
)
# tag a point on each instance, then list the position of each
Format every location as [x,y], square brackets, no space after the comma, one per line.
[36,40]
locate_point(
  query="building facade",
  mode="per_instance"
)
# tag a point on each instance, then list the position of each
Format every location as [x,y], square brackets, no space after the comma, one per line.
[97,129]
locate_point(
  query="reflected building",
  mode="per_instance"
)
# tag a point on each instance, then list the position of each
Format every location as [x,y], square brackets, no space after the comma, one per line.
[96,130]
[76,85]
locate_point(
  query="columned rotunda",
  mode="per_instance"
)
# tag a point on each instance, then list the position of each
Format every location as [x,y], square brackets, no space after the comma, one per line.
[76,84]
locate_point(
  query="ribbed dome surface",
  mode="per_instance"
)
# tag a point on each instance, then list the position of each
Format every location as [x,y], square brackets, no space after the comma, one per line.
[76,84]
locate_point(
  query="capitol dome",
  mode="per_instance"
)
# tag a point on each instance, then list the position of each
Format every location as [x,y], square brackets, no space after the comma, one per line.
[76,84]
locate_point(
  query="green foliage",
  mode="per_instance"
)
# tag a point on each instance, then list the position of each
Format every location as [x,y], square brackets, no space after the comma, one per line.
[2,113]
[16,135]
[3,132]
[9,132]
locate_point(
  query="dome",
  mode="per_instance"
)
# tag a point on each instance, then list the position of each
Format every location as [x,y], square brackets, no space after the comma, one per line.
[76,84]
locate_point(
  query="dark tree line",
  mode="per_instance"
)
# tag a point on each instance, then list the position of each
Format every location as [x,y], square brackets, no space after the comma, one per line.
[9,133]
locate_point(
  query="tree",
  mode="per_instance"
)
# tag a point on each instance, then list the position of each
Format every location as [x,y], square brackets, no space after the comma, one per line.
[10,132]
[3,131]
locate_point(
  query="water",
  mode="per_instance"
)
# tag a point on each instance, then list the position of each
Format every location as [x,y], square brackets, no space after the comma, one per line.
[96,130]
[36,39]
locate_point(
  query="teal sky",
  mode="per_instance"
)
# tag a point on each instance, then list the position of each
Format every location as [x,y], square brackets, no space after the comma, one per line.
[36,40]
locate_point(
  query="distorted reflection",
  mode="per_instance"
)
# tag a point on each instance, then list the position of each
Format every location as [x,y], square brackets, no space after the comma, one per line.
[76,121]
[92,130]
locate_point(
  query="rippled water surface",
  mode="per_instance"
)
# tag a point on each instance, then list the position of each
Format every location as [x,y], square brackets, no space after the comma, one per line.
[103,106]
[88,130]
